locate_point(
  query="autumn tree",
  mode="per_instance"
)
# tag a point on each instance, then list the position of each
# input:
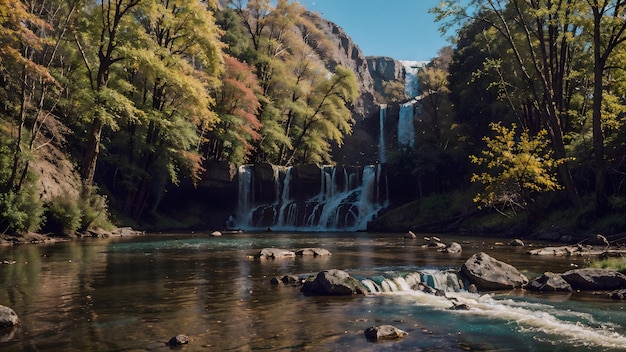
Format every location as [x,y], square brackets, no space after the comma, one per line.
[518,166]
[236,105]
[172,67]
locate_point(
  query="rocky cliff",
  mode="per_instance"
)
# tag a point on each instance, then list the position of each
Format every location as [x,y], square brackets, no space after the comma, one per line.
[361,147]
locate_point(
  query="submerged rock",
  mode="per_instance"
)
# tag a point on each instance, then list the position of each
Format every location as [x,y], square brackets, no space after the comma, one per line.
[561,251]
[333,282]
[491,274]
[274,253]
[381,332]
[8,317]
[549,282]
[595,279]
[316,252]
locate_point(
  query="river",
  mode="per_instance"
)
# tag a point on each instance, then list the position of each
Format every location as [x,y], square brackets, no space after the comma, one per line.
[135,293]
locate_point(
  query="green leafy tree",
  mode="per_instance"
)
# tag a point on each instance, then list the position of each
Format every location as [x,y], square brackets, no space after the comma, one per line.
[518,167]
[172,66]
[107,30]
[540,38]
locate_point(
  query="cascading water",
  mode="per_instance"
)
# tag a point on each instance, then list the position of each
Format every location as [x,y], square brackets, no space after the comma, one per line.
[245,199]
[382,156]
[406,130]
[411,82]
[446,294]
[348,198]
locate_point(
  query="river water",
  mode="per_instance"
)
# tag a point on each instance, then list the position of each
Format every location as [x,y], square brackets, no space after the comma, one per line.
[134,294]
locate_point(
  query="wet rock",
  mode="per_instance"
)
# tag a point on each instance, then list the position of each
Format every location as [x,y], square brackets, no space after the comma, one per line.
[561,251]
[459,306]
[333,282]
[274,253]
[435,244]
[516,243]
[472,288]
[316,252]
[617,294]
[285,279]
[178,340]
[427,289]
[382,332]
[491,274]
[8,317]
[549,282]
[453,248]
[595,279]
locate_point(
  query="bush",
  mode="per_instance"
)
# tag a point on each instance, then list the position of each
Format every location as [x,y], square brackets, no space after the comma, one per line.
[21,211]
[95,213]
[63,216]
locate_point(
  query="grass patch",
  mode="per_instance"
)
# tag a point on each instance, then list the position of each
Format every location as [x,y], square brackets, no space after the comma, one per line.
[618,264]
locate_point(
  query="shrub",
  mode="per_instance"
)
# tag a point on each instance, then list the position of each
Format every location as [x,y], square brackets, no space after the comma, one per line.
[63,216]
[21,211]
[95,213]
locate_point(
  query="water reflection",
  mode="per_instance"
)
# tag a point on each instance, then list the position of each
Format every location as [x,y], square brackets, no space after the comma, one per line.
[136,293]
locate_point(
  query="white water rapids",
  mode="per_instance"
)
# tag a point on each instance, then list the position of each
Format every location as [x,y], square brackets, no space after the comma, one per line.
[559,325]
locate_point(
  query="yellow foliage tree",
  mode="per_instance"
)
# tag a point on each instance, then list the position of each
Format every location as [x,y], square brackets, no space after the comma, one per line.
[518,167]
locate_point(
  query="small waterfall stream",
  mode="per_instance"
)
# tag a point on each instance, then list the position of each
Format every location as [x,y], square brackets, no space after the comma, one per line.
[406,130]
[382,153]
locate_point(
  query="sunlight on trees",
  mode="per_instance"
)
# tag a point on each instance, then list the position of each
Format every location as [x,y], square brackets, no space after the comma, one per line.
[518,167]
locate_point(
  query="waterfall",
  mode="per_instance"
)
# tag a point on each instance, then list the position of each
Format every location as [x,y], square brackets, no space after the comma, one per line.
[244,202]
[411,82]
[406,130]
[348,198]
[382,157]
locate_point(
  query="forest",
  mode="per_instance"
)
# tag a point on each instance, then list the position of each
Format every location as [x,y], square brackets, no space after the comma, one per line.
[523,117]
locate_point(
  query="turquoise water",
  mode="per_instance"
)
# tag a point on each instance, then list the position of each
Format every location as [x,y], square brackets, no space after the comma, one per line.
[134,294]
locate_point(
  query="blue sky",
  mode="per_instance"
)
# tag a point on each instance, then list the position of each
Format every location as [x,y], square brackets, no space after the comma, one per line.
[401,29]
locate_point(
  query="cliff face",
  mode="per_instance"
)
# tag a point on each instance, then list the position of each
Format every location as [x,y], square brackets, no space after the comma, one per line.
[384,69]
[361,147]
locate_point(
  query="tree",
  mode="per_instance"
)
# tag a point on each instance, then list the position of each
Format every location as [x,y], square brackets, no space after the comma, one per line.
[109,27]
[327,117]
[608,28]
[236,104]
[173,67]
[541,39]
[433,80]
[518,166]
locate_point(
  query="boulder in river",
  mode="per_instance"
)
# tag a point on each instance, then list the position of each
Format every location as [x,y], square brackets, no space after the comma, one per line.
[491,274]
[549,282]
[8,317]
[382,332]
[453,248]
[333,282]
[315,252]
[274,253]
[595,279]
